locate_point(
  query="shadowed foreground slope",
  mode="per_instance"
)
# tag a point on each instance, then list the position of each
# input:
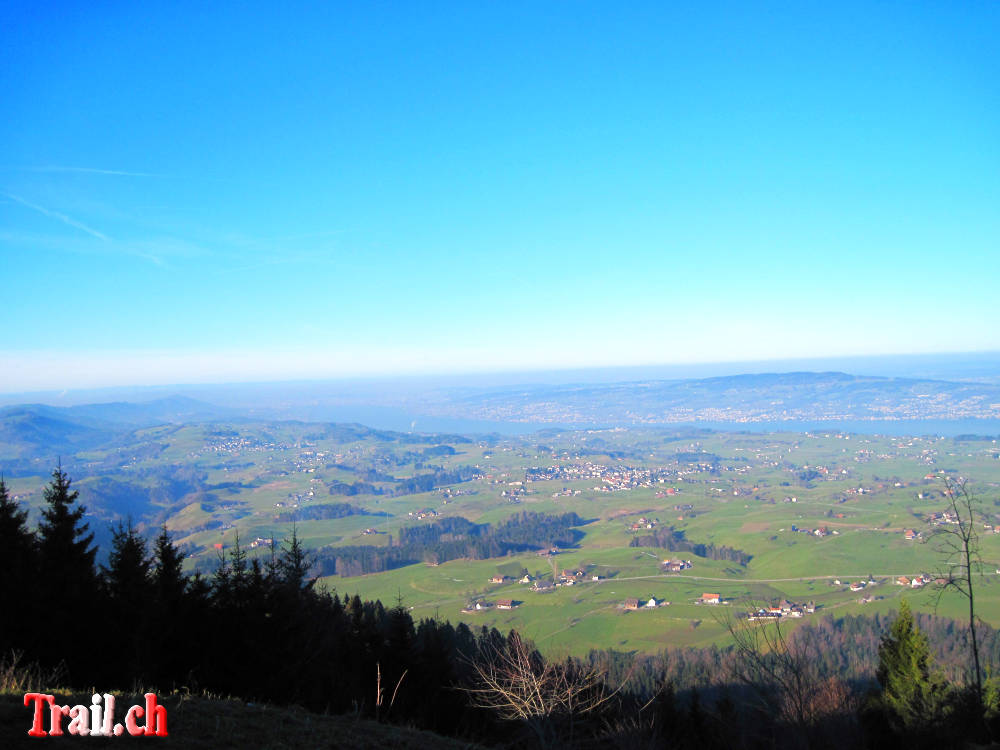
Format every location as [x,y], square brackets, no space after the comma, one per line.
[195,722]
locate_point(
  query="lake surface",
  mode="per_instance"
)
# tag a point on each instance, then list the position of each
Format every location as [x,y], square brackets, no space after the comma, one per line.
[406,420]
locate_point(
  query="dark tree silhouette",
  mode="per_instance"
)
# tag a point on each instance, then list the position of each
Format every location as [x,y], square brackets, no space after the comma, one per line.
[66,554]
[17,570]
[292,565]
[68,601]
[168,576]
[127,582]
[127,576]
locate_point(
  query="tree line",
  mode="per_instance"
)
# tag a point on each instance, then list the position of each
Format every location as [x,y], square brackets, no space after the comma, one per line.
[408,486]
[452,538]
[323,512]
[846,647]
[669,538]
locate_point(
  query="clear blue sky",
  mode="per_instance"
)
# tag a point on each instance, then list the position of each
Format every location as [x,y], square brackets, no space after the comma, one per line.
[193,193]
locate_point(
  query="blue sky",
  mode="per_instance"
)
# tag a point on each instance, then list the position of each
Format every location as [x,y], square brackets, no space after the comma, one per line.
[195,194]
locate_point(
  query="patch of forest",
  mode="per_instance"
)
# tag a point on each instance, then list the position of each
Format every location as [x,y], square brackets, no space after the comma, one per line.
[671,539]
[453,539]
[409,486]
[324,512]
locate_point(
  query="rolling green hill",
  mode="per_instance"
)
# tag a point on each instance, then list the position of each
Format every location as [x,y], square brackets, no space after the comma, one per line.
[806,515]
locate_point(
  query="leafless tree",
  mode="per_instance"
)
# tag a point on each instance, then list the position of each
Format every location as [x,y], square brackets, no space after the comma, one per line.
[783,670]
[957,539]
[550,698]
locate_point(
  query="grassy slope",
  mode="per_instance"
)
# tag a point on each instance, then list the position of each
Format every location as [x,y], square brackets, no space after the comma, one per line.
[589,616]
[761,469]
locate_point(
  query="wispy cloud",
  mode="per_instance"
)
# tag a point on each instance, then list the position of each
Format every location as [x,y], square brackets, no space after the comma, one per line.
[278,261]
[248,253]
[89,170]
[287,238]
[62,169]
[156,260]
[58,216]
[158,250]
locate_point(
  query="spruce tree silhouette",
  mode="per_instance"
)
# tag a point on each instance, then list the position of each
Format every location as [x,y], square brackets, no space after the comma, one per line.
[293,565]
[168,577]
[17,567]
[174,642]
[66,554]
[67,581]
[127,581]
[128,575]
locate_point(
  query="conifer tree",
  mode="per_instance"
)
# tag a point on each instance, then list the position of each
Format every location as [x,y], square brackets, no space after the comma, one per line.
[168,577]
[293,565]
[17,567]
[67,576]
[14,531]
[239,571]
[171,641]
[127,583]
[912,692]
[66,554]
[17,543]
[128,573]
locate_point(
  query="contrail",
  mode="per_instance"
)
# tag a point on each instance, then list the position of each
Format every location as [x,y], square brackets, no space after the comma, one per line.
[289,237]
[89,170]
[58,216]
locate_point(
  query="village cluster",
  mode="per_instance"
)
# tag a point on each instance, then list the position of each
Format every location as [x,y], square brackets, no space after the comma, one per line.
[819,531]
[783,608]
[613,478]
[423,513]
[482,605]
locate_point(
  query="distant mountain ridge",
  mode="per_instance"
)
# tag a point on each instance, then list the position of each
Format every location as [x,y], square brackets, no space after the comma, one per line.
[27,428]
[38,429]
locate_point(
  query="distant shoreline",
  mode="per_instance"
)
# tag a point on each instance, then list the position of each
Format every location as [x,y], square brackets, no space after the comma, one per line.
[401,420]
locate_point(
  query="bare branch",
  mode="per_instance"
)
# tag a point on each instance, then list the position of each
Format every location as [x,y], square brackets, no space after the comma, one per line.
[517,684]
[957,539]
[782,670]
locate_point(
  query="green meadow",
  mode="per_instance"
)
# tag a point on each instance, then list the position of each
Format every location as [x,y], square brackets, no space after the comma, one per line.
[765,494]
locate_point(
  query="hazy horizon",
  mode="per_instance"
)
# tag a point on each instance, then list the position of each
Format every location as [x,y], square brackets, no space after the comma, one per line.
[956,366]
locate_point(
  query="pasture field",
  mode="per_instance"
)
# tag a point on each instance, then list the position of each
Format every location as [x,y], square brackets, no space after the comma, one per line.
[815,513]
[869,491]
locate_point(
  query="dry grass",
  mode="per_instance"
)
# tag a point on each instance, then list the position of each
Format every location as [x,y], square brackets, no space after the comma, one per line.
[18,677]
